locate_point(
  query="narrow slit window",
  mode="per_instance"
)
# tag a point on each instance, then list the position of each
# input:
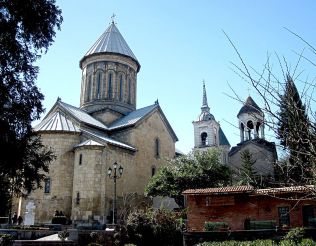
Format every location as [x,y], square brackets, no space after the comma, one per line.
[110,86]
[78,198]
[47,185]
[121,88]
[157,147]
[80,159]
[98,84]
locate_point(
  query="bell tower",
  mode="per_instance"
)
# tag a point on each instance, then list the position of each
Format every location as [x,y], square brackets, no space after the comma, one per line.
[251,121]
[109,77]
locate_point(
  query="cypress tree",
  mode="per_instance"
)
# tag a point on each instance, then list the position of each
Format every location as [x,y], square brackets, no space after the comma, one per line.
[293,131]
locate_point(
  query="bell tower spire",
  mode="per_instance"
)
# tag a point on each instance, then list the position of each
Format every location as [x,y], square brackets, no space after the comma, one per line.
[204,104]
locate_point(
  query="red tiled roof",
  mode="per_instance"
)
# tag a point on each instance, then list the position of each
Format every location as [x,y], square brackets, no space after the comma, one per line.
[219,190]
[250,189]
[290,189]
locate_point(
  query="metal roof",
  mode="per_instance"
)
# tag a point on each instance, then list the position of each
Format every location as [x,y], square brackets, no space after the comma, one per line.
[57,122]
[133,117]
[113,42]
[82,116]
[89,142]
[250,107]
[222,138]
[108,140]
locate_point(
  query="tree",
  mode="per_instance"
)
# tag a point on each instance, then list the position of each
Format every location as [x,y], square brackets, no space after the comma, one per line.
[247,172]
[192,171]
[293,131]
[27,30]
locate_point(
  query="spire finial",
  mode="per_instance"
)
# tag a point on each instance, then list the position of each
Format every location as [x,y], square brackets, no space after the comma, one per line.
[204,104]
[113,19]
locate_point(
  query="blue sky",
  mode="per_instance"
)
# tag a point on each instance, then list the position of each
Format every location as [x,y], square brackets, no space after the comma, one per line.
[178,44]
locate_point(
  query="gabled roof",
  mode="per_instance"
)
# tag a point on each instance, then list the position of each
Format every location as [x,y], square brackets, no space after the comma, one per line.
[89,142]
[106,139]
[250,107]
[270,146]
[136,116]
[111,41]
[222,138]
[57,122]
[81,115]
[133,117]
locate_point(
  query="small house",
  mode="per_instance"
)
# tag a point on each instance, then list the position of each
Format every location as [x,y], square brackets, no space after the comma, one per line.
[247,208]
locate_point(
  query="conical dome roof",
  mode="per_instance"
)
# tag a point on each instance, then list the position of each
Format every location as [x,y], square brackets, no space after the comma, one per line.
[111,41]
[250,107]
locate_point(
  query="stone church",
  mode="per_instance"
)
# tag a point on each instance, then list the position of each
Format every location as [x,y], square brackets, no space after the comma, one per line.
[106,128]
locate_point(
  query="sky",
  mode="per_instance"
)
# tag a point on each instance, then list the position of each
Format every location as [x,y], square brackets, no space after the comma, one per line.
[179,44]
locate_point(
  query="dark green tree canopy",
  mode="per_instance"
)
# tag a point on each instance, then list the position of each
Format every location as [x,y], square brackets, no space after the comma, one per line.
[195,170]
[27,30]
[295,134]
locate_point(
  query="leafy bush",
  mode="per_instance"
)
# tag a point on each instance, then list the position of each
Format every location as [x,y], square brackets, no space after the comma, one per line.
[6,239]
[158,227]
[213,226]
[295,235]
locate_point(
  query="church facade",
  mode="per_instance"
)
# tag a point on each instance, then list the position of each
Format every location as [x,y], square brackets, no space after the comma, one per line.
[106,128]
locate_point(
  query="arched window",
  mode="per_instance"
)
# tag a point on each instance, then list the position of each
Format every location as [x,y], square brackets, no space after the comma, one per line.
[250,127]
[78,198]
[47,185]
[89,88]
[110,92]
[98,85]
[157,147]
[204,138]
[121,88]
[80,159]
[129,90]
[153,171]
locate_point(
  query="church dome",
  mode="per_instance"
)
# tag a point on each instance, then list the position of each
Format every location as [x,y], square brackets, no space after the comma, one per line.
[111,42]
[204,116]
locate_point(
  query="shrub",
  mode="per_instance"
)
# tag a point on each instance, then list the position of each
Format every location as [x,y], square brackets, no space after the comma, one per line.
[295,235]
[6,239]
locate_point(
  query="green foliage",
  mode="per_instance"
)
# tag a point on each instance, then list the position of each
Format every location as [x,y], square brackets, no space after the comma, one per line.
[295,234]
[158,227]
[294,130]
[195,170]
[248,175]
[214,226]
[27,30]
[6,239]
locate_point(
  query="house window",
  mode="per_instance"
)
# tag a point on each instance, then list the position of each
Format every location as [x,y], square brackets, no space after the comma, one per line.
[80,159]
[121,87]
[47,185]
[110,86]
[153,171]
[78,198]
[204,138]
[208,201]
[157,147]
[284,216]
